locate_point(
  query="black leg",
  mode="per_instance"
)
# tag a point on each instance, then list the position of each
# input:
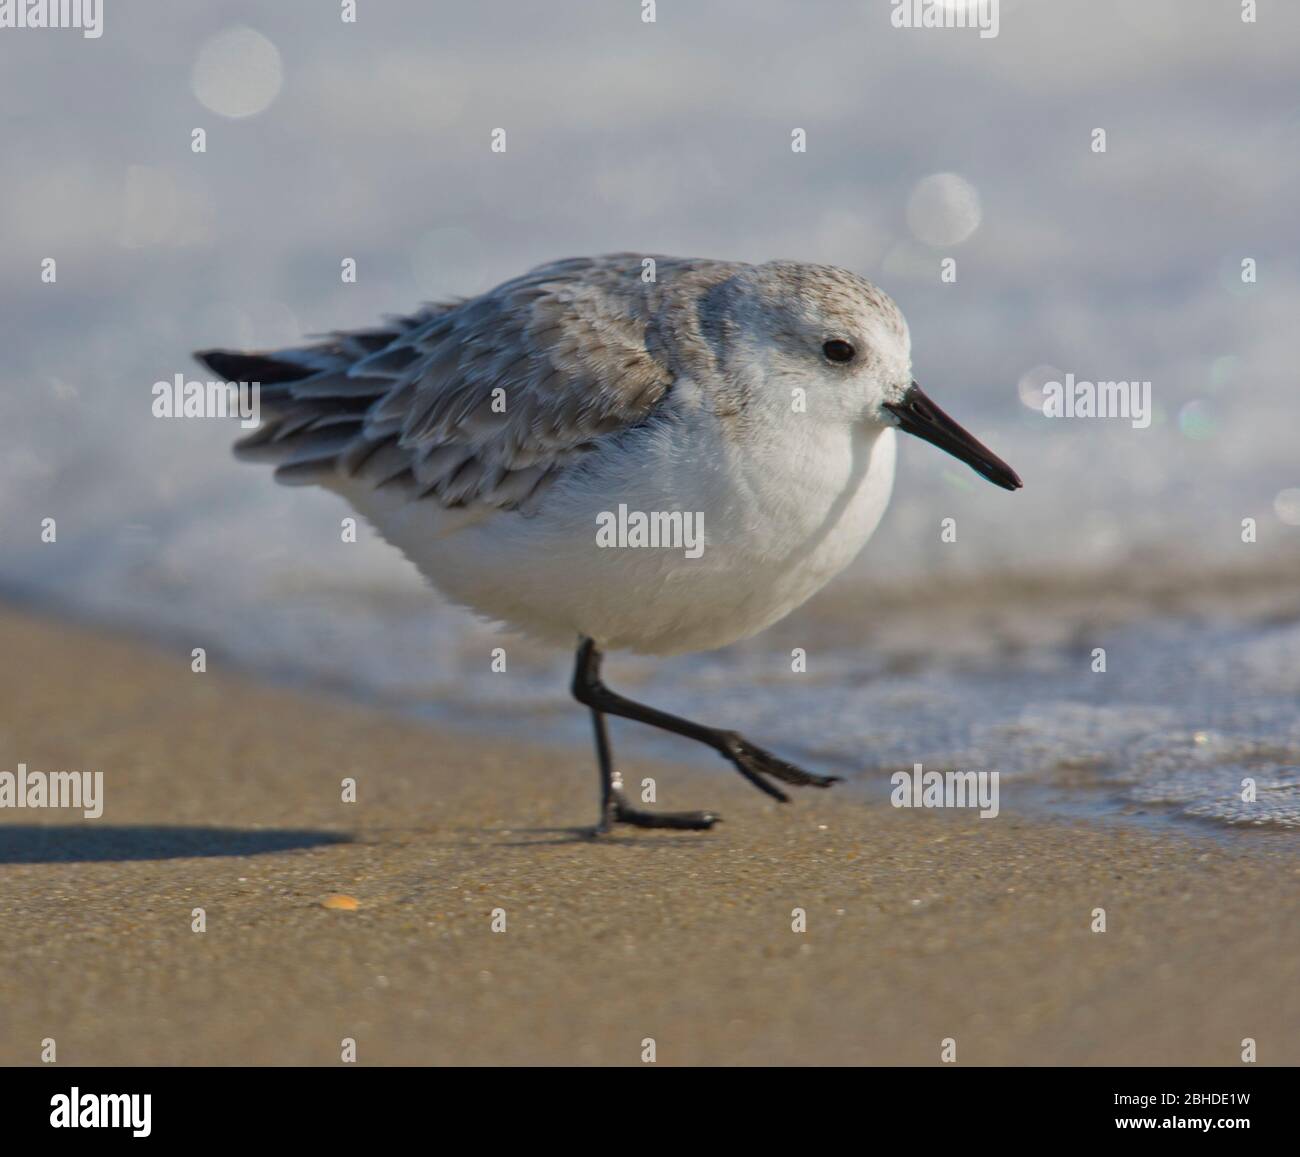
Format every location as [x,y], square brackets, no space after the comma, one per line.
[751,761]
[611,782]
[614,808]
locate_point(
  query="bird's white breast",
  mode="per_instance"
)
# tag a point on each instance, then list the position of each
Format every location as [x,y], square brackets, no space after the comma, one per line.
[783,511]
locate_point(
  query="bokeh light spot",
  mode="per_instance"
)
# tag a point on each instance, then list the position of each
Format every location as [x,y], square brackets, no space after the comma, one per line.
[237,73]
[1287,505]
[944,209]
[1032,381]
[1196,421]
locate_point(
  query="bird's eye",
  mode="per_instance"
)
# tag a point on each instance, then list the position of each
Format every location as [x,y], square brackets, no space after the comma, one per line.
[838,351]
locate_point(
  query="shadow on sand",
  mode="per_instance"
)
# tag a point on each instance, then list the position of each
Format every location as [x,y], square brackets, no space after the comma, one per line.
[93,843]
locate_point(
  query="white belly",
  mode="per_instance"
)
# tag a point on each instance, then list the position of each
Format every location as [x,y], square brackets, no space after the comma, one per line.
[779,520]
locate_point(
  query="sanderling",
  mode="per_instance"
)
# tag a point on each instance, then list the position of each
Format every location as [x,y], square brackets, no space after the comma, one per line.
[492,440]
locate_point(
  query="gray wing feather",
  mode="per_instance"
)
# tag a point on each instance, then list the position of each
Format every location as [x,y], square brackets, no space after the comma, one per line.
[479,402]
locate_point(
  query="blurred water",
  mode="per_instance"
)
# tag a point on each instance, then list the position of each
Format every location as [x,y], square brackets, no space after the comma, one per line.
[371,141]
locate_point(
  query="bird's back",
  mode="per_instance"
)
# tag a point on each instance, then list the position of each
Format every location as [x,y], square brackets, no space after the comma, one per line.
[479,403]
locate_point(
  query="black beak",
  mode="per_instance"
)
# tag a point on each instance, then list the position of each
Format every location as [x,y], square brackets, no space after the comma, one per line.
[918,415]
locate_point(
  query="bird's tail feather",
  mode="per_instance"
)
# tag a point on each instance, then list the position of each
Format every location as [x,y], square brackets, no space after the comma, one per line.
[312,407]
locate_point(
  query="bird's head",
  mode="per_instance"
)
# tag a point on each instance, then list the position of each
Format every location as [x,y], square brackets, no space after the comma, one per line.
[829,344]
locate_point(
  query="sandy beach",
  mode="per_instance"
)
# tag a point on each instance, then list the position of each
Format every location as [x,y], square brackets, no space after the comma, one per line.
[224,794]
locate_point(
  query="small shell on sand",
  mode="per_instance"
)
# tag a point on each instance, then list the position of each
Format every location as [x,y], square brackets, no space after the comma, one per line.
[340,903]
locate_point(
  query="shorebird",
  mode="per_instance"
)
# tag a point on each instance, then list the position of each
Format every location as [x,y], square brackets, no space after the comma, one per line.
[491,440]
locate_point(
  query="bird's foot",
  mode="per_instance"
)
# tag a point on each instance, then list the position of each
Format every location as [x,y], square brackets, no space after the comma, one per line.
[620,813]
[753,763]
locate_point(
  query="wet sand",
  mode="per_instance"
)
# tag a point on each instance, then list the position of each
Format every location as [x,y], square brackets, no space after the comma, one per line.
[224,794]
